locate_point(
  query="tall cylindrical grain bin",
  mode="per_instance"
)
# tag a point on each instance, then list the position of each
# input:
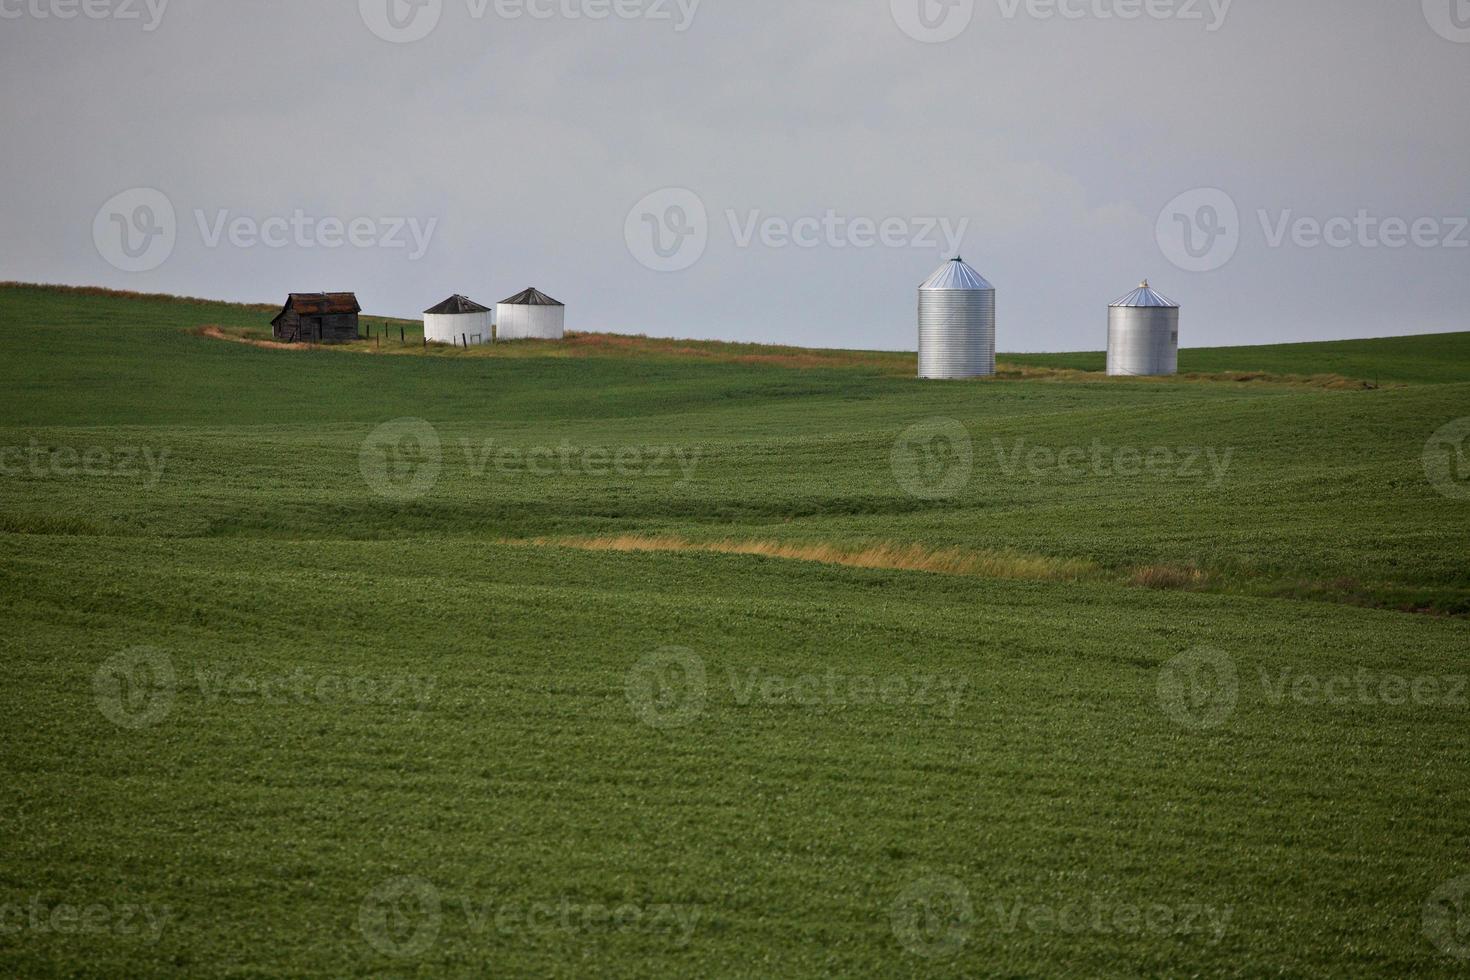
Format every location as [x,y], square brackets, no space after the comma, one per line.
[1143,334]
[458,320]
[530,315]
[956,324]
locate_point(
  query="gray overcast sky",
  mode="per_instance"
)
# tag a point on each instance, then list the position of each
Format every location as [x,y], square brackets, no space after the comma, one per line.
[543,140]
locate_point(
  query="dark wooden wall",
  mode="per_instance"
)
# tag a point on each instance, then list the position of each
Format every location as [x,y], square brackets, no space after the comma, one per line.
[334,328]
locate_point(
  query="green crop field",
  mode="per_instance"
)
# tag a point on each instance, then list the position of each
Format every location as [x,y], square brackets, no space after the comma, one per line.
[629,657]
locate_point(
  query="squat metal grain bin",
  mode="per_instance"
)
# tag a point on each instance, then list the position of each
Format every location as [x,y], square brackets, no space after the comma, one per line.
[530,314]
[956,324]
[1143,334]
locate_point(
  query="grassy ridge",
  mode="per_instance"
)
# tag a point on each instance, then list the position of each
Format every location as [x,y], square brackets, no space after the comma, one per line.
[1425,359]
[501,754]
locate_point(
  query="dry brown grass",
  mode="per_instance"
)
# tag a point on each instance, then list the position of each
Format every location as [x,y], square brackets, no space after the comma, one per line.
[733,353]
[215,332]
[910,557]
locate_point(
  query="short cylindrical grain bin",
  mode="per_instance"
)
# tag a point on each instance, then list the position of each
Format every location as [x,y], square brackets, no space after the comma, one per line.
[459,321]
[530,315]
[956,324]
[1143,334]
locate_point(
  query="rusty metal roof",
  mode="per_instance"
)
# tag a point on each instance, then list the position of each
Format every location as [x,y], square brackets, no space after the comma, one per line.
[321,304]
[458,304]
[531,297]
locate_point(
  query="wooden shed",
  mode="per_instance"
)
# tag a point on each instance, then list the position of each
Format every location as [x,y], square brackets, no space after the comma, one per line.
[318,318]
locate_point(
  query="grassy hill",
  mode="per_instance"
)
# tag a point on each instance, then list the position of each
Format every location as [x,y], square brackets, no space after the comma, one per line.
[678,657]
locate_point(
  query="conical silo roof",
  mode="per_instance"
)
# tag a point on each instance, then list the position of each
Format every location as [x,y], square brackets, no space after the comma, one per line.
[457,304]
[955,274]
[1145,295]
